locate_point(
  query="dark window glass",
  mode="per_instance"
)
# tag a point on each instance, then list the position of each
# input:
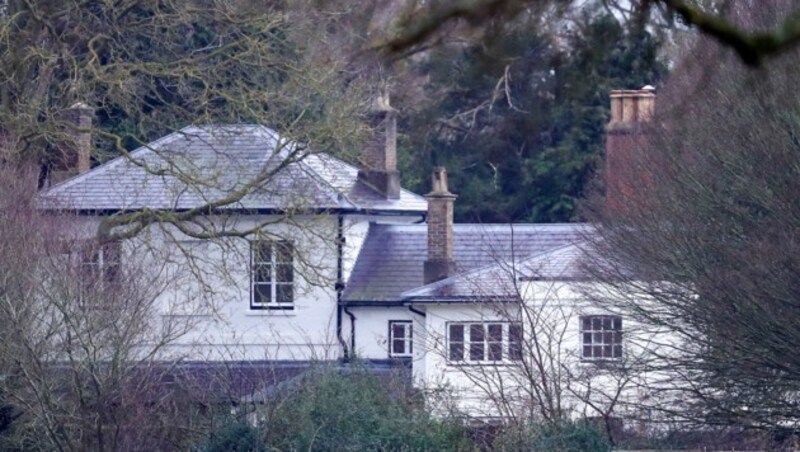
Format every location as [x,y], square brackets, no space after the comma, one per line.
[476,342]
[399,330]
[456,343]
[284,293]
[495,341]
[112,261]
[515,341]
[262,293]
[263,272]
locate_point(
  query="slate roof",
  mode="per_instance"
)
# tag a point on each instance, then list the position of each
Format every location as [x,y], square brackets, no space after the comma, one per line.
[497,281]
[201,164]
[391,259]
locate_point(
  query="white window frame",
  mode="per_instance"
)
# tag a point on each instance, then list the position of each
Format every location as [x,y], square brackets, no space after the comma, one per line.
[407,340]
[273,284]
[486,343]
[601,337]
[99,263]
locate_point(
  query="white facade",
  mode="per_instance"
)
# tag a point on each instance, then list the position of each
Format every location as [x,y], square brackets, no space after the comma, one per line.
[554,376]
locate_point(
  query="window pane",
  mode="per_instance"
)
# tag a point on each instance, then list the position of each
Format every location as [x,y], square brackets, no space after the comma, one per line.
[587,351]
[476,351]
[111,261]
[262,251]
[617,351]
[398,346]
[618,337]
[515,341]
[586,323]
[587,338]
[283,293]
[456,351]
[262,273]
[607,338]
[597,323]
[606,323]
[495,351]
[617,323]
[456,345]
[398,330]
[283,252]
[598,338]
[457,332]
[262,293]
[284,273]
[495,332]
[476,332]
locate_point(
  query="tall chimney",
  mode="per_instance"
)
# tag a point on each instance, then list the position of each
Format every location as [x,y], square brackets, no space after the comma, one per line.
[380,154]
[73,155]
[440,263]
[630,110]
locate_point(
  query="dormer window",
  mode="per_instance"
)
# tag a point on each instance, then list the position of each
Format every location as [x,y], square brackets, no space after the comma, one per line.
[272,274]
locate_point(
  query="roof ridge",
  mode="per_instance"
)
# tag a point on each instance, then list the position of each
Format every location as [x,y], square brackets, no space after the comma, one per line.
[335,195]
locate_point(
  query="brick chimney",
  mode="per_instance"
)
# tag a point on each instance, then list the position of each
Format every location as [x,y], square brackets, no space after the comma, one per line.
[73,155]
[440,263]
[380,154]
[630,110]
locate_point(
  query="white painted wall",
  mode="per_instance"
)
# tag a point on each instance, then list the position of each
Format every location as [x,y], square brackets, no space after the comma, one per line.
[205,289]
[551,312]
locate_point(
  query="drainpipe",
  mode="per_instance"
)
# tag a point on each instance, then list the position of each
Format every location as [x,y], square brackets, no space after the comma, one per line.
[352,331]
[340,283]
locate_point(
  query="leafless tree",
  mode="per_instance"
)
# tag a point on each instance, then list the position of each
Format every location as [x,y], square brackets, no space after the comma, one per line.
[525,360]
[709,240]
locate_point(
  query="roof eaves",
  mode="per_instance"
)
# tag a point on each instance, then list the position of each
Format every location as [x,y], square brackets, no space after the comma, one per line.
[462,299]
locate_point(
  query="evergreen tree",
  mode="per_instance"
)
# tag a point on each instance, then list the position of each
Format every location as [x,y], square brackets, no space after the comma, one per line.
[519,118]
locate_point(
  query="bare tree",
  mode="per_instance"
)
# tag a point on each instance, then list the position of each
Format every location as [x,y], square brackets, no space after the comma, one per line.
[710,240]
[533,348]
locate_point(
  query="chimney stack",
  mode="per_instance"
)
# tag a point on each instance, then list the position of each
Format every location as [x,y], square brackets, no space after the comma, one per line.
[73,155]
[380,156]
[630,110]
[440,263]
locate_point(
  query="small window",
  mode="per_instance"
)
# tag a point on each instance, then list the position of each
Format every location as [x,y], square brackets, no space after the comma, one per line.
[272,275]
[484,342]
[99,264]
[601,337]
[400,339]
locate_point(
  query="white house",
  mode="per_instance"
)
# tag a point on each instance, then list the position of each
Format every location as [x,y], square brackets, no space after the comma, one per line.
[272,255]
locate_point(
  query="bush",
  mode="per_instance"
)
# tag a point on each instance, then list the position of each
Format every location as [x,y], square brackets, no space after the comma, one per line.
[564,436]
[234,437]
[330,409]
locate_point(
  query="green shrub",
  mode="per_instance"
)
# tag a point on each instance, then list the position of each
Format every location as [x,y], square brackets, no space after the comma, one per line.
[234,437]
[563,436]
[330,409]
